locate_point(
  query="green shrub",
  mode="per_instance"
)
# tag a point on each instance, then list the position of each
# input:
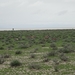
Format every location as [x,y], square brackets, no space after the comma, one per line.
[34,65]
[45,56]
[6,55]
[35,50]
[32,56]
[1,48]
[56,68]
[63,57]
[52,53]
[43,45]
[23,46]
[46,60]
[53,45]
[56,63]
[15,63]
[61,50]
[18,52]
[2,60]
[67,48]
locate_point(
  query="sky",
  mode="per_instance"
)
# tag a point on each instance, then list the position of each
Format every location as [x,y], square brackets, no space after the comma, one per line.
[37,14]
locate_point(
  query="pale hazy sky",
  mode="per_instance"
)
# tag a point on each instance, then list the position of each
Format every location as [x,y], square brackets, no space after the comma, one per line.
[37,14]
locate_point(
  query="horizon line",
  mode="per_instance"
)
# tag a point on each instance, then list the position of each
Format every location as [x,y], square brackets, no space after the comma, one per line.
[14,29]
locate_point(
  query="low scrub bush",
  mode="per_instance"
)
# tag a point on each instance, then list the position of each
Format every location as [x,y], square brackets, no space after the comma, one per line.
[18,52]
[2,60]
[15,63]
[32,56]
[34,65]
[56,64]
[67,48]
[63,57]
[43,45]
[52,53]
[56,68]
[35,50]
[45,55]
[53,45]
[6,55]
[46,60]
[1,48]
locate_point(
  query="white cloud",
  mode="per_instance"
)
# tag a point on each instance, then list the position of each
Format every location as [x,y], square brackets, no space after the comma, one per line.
[69,0]
[24,12]
[63,12]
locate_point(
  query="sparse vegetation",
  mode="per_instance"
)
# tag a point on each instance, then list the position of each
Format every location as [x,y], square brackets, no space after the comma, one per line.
[40,52]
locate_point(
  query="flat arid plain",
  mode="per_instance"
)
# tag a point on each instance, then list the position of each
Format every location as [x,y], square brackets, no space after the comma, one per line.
[37,52]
